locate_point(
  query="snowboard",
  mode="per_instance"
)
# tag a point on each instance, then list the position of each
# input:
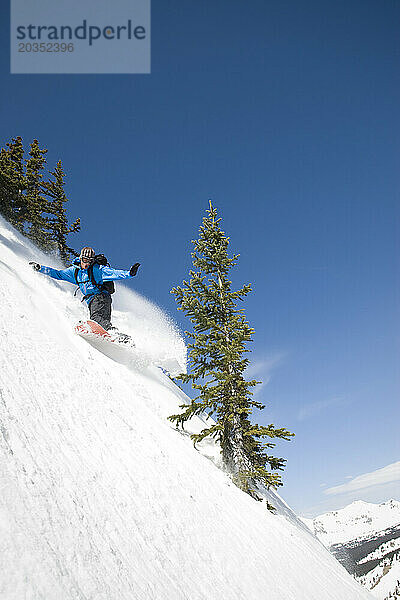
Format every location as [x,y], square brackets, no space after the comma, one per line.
[122,352]
[89,328]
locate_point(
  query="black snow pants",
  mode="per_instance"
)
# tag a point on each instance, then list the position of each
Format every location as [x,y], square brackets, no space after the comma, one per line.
[100,310]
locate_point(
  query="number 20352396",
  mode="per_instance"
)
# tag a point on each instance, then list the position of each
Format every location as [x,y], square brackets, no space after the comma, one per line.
[45,47]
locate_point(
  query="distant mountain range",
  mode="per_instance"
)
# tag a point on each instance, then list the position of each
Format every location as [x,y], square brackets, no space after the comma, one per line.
[365,539]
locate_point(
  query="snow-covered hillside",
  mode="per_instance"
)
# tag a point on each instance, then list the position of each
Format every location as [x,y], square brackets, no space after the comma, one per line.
[101,498]
[365,538]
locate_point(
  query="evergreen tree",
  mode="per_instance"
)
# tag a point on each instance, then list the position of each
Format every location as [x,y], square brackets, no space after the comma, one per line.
[216,353]
[6,188]
[34,206]
[36,203]
[12,183]
[58,222]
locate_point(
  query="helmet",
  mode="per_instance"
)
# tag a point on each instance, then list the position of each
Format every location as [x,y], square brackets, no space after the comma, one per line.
[87,253]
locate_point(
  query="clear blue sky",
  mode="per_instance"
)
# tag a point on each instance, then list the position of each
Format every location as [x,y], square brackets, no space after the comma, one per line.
[286,115]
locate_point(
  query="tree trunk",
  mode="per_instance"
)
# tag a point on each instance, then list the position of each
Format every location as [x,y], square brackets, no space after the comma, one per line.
[233,453]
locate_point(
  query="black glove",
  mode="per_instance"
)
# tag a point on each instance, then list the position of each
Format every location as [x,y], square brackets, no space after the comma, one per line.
[36,266]
[133,269]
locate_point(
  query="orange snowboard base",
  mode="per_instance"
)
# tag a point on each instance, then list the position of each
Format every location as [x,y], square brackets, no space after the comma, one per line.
[91,327]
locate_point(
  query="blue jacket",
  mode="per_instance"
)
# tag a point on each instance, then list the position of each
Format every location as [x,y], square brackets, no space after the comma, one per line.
[100,274]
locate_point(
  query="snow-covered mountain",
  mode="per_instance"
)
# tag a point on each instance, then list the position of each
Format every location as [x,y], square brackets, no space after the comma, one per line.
[365,538]
[101,497]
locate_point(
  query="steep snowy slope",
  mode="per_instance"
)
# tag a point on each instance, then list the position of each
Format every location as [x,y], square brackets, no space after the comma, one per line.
[101,498]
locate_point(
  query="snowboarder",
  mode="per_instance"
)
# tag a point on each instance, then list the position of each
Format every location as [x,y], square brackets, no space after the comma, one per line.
[94,278]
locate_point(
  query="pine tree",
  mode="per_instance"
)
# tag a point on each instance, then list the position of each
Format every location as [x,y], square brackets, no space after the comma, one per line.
[58,222]
[36,203]
[6,188]
[216,353]
[34,206]
[12,183]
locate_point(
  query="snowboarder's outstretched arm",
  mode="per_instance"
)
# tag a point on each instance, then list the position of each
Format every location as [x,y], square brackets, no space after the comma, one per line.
[106,273]
[63,274]
[109,274]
